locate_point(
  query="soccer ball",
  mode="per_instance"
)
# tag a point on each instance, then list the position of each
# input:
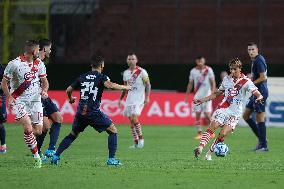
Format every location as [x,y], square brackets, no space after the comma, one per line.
[221,149]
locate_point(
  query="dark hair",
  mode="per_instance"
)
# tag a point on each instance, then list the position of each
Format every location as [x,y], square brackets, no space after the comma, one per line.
[96,61]
[199,57]
[237,62]
[29,46]
[252,44]
[43,43]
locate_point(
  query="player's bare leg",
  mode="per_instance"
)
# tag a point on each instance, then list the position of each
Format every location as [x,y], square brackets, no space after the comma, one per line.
[208,120]
[206,137]
[224,132]
[198,125]
[30,138]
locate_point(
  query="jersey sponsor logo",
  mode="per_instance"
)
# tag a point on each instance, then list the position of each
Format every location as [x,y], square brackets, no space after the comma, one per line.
[90,77]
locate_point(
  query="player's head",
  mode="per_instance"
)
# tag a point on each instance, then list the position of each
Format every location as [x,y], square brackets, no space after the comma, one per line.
[32,48]
[252,49]
[200,61]
[131,60]
[235,66]
[97,62]
[223,74]
[45,47]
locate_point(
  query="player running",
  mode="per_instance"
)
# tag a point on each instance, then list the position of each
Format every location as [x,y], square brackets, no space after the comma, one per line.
[3,116]
[91,86]
[50,110]
[226,116]
[27,78]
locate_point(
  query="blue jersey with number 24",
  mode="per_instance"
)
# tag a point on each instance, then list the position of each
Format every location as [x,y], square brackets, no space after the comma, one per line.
[91,86]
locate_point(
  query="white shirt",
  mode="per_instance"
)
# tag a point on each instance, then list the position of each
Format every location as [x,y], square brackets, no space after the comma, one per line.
[201,81]
[136,95]
[19,71]
[235,97]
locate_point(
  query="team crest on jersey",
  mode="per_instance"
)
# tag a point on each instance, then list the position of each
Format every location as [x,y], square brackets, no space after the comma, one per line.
[233,92]
[29,76]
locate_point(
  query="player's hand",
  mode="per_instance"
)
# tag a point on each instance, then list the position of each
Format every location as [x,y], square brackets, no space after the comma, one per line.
[11,101]
[259,99]
[147,100]
[120,103]
[198,101]
[72,99]
[186,99]
[44,94]
[127,87]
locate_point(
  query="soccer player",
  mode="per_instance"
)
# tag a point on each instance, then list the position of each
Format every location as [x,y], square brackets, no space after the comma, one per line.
[259,77]
[203,79]
[137,97]
[24,74]
[91,85]
[50,110]
[226,116]
[3,116]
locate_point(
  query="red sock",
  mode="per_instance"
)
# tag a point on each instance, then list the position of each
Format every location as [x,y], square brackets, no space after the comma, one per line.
[216,141]
[134,134]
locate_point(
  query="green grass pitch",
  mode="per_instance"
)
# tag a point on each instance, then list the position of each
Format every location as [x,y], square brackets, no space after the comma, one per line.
[166,162]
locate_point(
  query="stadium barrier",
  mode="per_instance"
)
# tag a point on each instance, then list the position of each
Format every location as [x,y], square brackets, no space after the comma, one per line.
[166,108]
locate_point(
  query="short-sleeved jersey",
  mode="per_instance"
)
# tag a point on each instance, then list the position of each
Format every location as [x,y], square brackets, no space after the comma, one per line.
[25,77]
[235,94]
[135,79]
[91,86]
[1,77]
[201,81]
[259,66]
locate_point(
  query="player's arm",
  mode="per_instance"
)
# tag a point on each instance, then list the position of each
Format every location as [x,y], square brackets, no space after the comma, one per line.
[6,91]
[110,85]
[212,84]
[44,87]
[258,96]
[214,95]
[123,93]
[188,89]
[69,92]
[147,83]
[262,77]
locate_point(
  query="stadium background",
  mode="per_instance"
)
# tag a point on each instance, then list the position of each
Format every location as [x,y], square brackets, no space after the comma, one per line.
[166,35]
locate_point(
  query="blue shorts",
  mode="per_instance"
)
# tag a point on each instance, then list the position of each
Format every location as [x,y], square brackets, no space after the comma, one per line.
[48,107]
[257,107]
[98,120]
[3,111]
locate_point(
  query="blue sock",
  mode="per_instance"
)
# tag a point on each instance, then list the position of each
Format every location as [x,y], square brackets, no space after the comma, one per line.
[54,134]
[66,142]
[251,122]
[39,140]
[2,134]
[262,134]
[112,144]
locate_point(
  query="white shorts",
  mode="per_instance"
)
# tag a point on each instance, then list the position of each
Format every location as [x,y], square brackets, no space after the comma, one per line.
[32,109]
[204,107]
[223,118]
[135,109]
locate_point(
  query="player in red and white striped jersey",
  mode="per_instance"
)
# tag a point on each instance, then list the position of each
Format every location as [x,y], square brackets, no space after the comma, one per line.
[226,116]
[24,75]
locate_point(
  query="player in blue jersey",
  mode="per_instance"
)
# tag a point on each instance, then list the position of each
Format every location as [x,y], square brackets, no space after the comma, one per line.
[3,115]
[50,110]
[91,86]
[259,78]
